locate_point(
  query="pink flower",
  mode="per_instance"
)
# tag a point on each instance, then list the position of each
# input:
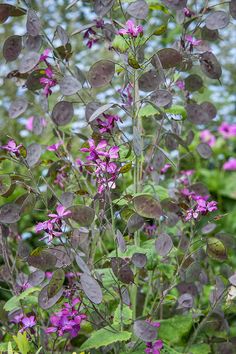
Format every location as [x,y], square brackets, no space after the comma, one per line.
[61,213]
[207,137]
[131,29]
[193,41]
[108,124]
[45,54]
[30,123]
[230,165]
[188,13]
[95,151]
[165,168]
[12,147]
[227,130]
[154,348]
[90,35]
[180,84]
[67,320]
[48,83]
[54,147]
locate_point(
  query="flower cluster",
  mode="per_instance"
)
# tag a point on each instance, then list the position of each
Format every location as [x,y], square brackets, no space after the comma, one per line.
[67,320]
[131,30]
[202,207]
[49,81]
[100,157]
[53,226]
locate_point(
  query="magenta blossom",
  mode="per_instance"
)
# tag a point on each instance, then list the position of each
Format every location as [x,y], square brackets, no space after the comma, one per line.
[108,125]
[192,41]
[45,54]
[188,13]
[131,29]
[55,147]
[61,213]
[230,165]
[207,137]
[180,84]
[150,230]
[227,130]
[154,348]
[202,207]
[30,123]
[67,320]
[12,147]
[48,84]
[165,168]
[28,322]
[90,35]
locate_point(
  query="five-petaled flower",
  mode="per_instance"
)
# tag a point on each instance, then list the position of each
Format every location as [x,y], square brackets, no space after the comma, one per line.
[131,29]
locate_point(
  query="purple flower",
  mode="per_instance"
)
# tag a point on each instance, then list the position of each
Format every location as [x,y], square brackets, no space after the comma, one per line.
[30,121]
[12,147]
[227,130]
[28,322]
[193,41]
[230,165]
[154,348]
[207,137]
[67,320]
[45,54]
[188,13]
[48,84]
[131,29]
[165,168]
[107,125]
[150,230]
[180,84]
[61,213]
[55,147]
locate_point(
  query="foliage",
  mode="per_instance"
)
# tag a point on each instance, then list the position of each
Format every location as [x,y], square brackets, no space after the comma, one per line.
[117,177]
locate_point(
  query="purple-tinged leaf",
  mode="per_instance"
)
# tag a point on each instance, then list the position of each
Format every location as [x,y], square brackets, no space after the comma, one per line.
[82,265]
[9,213]
[169,58]
[122,270]
[232,279]
[33,44]
[36,278]
[217,20]
[101,73]
[185,301]
[164,244]
[210,65]
[33,23]
[138,9]
[82,214]
[102,7]
[63,36]
[56,282]
[64,256]
[139,260]
[135,222]
[204,150]
[147,206]
[69,85]
[44,301]
[18,107]
[145,331]
[42,259]
[34,152]
[149,81]
[91,288]
[62,113]
[120,241]
[28,62]
[12,48]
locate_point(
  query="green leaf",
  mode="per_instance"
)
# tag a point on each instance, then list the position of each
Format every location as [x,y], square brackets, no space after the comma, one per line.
[216,249]
[120,44]
[9,348]
[22,343]
[104,337]
[200,349]
[14,302]
[172,330]
[124,316]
